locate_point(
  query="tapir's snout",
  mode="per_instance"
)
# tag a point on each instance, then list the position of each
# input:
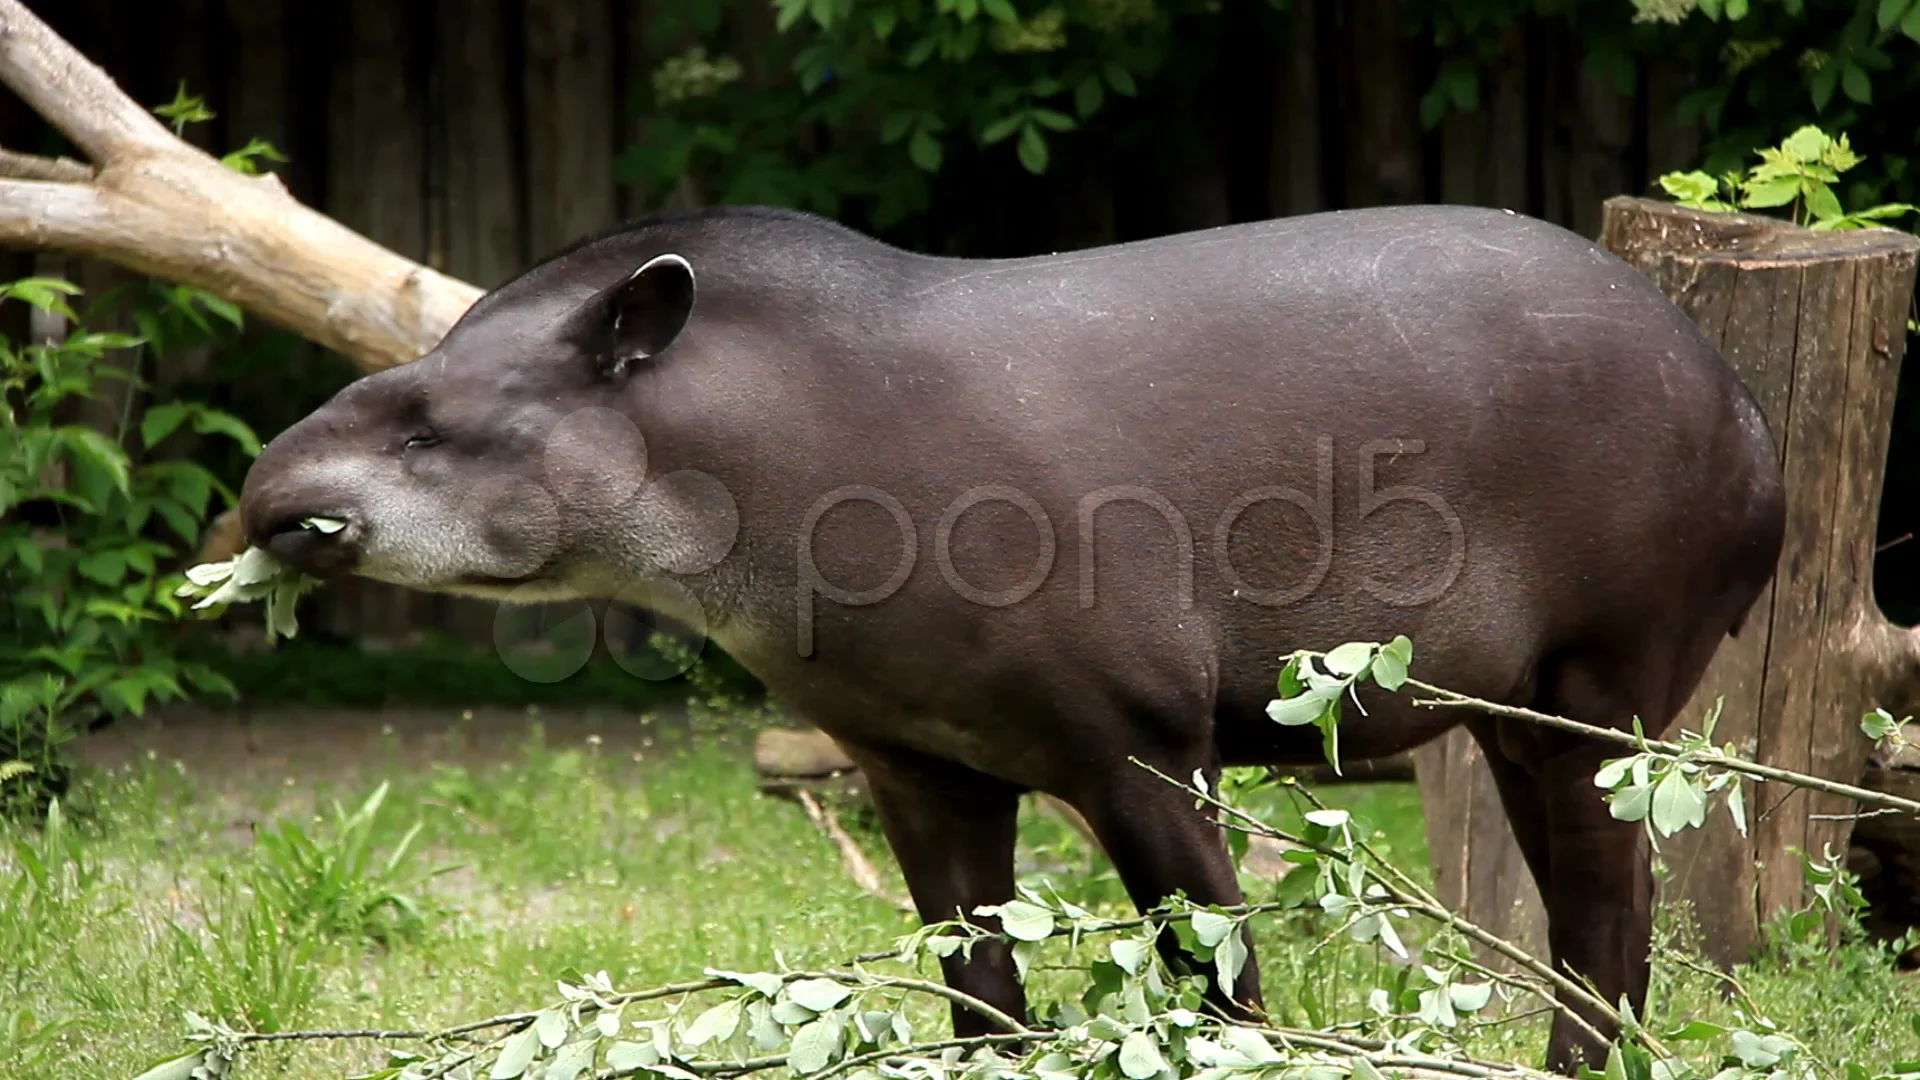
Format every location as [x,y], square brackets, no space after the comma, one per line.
[289,506]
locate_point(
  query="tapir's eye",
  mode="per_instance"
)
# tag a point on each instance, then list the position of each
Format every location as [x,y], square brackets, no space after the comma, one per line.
[425,439]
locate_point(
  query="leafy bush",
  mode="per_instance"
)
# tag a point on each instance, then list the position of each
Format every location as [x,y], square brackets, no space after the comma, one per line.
[88,529]
[1799,174]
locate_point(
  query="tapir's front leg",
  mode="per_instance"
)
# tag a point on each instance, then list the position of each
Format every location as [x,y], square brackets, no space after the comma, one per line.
[952,830]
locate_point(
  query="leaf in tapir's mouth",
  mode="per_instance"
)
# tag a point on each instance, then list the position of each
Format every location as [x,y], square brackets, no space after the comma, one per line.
[254,575]
[325,525]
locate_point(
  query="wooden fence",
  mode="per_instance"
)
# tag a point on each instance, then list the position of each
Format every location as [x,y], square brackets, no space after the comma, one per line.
[477,134]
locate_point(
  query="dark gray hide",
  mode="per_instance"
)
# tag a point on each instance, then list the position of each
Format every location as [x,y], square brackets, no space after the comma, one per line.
[999,526]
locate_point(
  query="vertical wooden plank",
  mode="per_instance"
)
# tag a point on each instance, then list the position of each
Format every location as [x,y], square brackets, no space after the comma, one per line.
[1478,868]
[375,168]
[1438,766]
[1483,152]
[485,234]
[1297,174]
[571,129]
[256,89]
[1555,104]
[1673,144]
[478,199]
[1601,140]
[1382,151]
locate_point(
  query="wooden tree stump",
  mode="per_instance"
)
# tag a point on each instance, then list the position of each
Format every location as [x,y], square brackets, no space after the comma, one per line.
[1814,322]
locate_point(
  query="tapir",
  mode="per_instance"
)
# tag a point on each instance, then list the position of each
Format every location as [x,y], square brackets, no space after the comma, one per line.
[1036,524]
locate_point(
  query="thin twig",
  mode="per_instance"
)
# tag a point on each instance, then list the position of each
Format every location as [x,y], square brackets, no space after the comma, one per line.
[1402,891]
[859,867]
[1706,755]
[941,990]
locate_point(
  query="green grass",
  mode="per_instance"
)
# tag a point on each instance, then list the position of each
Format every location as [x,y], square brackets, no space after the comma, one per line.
[565,861]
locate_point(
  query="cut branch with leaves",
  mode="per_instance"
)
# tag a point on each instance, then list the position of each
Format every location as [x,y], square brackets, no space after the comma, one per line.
[1139,1018]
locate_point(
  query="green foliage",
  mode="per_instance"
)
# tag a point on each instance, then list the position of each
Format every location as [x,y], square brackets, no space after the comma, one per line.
[90,518]
[338,881]
[1798,174]
[856,108]
[254,574]
[865,100]
[1311,689]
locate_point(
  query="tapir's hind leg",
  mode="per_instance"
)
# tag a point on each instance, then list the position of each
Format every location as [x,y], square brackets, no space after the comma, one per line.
[1592,870]
[952,830]
[1160,843]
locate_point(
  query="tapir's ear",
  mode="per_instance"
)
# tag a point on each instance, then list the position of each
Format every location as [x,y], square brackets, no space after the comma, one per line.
[648,310]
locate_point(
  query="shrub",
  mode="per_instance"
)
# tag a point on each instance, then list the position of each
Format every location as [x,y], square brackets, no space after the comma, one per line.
[88,530]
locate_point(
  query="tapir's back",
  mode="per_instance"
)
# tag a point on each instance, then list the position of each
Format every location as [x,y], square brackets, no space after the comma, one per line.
[1470,427]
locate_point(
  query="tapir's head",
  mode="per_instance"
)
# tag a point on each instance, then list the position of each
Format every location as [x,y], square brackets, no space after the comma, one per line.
[512,460]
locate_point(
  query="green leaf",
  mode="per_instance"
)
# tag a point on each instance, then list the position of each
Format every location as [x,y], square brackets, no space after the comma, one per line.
[1298,711]
[792,1012]
[1910,25]
[1331,818]
[1631,803]
[924,150]
[160,422]
[1858,85]
[1612,773]
[625,1056]
[1089,96]
[572,1060]
[1886,210]
[1616,1064]
[1228,958]
[1807,144]
[1470,997]
[1001,10]
[215,422]
[896,127]
[1676,804]
[1890,12]
[1696,1030]
[1779,191]
[814,1046]
[1130,953]
[1121,80]
[95,448]
[1737,805]
[820,995]
[1388,672]
[1140,1059]
[1054,120]
[515,1055]
[720,1022]
[1349,659]
[767,983]
[180,1068]
[1025,922]
[105,567]
[1002,128]
[1211,928]
[1024,954]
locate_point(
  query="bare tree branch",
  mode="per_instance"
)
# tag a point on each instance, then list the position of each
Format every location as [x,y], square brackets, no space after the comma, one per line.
[34,167]
[159,206]
[73,94]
